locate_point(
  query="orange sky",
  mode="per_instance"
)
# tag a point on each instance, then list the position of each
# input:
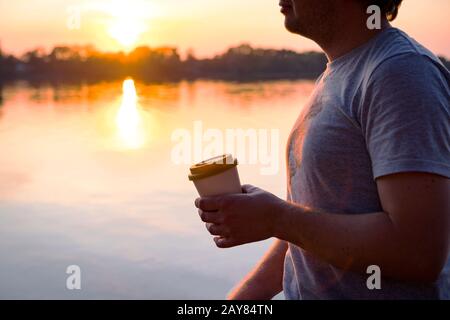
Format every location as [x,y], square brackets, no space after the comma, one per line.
[206,26]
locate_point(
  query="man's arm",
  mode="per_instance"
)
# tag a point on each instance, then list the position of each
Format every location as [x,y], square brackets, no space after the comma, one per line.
[408,240]
[265,280]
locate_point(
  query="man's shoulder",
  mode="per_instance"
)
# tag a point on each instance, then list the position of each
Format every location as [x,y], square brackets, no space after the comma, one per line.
[400,56]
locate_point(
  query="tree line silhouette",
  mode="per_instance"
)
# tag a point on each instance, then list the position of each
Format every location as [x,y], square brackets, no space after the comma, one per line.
[159,64]
[85,63]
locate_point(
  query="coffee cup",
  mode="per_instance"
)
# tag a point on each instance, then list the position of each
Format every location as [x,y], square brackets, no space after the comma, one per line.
[216,176]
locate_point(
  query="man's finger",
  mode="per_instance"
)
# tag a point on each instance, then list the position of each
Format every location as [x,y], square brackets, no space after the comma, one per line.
[210,217]
[217,229]
[208,203]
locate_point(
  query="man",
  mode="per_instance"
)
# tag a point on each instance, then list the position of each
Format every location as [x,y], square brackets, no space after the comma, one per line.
[368,170]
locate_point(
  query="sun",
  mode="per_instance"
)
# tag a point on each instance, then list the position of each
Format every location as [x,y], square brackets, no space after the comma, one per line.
[127,23]
[126,32]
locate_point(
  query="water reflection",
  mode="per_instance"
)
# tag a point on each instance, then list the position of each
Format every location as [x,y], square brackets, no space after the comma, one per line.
[86,177]
[129,123]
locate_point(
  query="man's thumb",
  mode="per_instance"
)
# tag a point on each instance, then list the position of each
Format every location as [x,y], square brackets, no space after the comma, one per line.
[248,188]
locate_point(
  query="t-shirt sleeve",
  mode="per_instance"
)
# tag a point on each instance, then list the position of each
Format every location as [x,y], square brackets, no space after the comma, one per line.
[405,117]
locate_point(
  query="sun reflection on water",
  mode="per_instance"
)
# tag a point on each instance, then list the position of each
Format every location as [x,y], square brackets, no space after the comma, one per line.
[128,118]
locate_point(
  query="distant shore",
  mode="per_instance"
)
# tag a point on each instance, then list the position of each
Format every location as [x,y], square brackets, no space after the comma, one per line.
[85,63]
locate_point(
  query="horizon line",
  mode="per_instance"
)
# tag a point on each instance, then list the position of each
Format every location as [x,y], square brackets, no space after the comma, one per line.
[184,54]
[128,51]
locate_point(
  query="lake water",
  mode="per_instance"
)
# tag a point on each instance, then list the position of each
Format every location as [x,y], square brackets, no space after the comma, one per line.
[88,178]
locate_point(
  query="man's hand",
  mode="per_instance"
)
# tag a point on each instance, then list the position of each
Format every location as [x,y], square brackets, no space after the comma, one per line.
[240,218]
[408,240]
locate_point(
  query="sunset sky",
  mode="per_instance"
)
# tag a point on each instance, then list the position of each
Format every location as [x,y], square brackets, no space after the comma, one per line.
[206,26]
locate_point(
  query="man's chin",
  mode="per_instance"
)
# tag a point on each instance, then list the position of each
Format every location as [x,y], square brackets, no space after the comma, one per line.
[291,26]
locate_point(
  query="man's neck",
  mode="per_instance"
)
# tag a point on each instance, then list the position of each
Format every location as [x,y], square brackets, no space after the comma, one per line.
[347,36]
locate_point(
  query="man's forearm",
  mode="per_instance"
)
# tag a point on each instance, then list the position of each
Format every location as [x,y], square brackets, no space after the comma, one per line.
[354,242]
[265,280]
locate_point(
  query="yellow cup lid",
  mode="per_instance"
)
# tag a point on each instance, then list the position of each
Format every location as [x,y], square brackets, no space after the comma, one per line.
[212,167]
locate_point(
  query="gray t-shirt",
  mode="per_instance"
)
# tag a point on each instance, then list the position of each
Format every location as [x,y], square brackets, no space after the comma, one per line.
[381,109]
